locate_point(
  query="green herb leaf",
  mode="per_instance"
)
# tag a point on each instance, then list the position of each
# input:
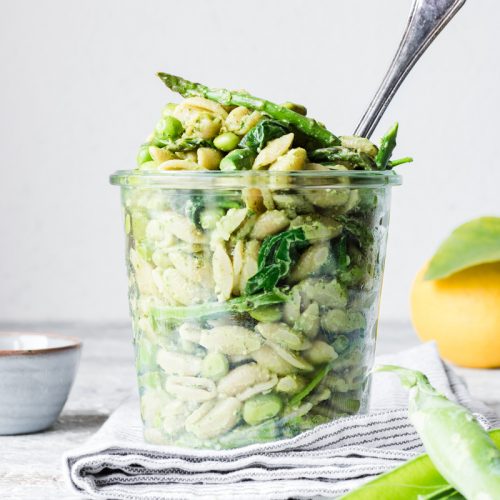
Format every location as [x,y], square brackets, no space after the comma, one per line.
[473,243]
[276,256]
[259,135]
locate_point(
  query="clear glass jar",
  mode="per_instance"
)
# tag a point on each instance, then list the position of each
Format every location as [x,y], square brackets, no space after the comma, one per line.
[254,299]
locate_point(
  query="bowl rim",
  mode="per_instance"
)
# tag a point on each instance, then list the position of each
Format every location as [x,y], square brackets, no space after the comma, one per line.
[76,343]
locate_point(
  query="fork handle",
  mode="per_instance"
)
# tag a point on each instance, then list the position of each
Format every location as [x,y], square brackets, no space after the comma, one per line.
[427,19]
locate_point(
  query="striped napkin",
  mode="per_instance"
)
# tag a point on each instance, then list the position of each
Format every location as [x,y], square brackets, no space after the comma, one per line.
[326,461]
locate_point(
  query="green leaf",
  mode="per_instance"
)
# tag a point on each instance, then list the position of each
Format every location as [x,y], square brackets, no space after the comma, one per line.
[265,131]
[276,256]
[473,243]
[357,229]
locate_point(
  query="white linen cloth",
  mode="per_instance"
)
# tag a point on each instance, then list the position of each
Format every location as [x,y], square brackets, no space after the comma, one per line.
[326,461]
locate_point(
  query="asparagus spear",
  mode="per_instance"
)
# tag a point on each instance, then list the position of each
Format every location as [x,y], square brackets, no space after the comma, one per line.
[225,97]
[399,161]
[339,153]
[387,145]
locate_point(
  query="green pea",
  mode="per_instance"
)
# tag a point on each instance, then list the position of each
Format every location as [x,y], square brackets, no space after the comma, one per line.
[298,108]
[227,141]
[261,407]
[238,159]
[266,313]
[215,365]
[143,155]
[169,128]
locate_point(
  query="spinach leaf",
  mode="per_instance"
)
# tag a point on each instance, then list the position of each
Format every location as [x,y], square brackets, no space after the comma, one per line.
[276,256]
[189,204]
[192,203]
[259,135]
[237,305]
[358,229]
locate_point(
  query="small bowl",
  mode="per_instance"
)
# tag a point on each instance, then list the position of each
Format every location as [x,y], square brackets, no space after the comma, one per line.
[36,374]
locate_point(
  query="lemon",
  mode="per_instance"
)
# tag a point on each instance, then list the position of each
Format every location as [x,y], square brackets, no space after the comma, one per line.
[462,314]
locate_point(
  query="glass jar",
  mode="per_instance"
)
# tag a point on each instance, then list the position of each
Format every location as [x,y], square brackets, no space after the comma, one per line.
[254,299]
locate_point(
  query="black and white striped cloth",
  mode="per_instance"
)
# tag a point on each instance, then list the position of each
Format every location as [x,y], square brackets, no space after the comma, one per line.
[324,462]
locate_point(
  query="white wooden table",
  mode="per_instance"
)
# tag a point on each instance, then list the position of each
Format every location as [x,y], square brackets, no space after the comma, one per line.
[30,465]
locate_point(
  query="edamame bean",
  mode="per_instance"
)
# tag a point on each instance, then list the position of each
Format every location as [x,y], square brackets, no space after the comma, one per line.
[214,366]
[267,313]
[143,155]
[226,141]
[261,407]
[341,343]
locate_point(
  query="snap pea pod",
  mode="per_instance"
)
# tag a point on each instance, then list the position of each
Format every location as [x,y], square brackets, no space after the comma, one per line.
[458,446]
[226,97]
[417,478]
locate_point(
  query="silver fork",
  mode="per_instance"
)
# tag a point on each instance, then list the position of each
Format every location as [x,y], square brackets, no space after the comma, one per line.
[427,19]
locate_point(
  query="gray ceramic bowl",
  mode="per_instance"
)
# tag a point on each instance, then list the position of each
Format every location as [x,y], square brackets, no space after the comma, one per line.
[36,374]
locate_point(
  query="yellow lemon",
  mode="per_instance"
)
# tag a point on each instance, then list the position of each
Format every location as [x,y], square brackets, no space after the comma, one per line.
[462,314]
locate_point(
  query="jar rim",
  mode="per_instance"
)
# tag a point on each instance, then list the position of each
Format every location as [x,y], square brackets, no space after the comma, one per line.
[210,179]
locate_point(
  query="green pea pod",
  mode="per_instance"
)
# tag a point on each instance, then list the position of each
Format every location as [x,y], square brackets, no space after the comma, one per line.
[459,447]
[417,478]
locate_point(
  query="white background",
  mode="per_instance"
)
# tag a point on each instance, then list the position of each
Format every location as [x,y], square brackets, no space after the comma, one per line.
[78,95]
